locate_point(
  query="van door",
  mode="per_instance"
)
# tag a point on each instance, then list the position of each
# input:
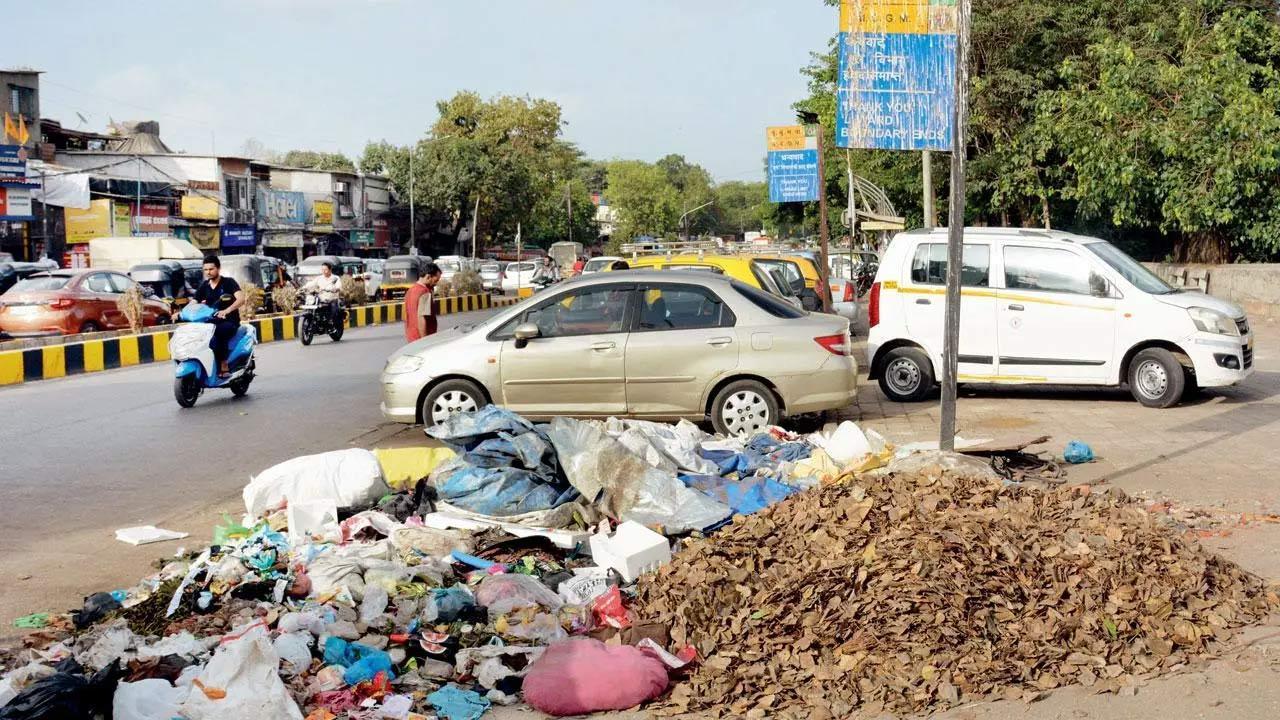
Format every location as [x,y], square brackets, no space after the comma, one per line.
[923,292]
[1052,327]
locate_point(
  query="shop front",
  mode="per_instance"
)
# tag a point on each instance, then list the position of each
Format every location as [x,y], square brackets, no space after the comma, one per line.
[282,216]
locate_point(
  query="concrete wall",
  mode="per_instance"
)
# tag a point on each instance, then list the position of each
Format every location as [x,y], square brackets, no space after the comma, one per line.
[24,79]
[1255,287]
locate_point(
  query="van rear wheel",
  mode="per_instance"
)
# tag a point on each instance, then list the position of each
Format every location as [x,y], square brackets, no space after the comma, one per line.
[1156,378]
[906,375]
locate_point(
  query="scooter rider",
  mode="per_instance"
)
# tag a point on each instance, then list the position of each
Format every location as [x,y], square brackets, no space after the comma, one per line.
[329,288]
[224,295]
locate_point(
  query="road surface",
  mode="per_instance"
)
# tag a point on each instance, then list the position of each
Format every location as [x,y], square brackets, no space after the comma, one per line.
[85,455]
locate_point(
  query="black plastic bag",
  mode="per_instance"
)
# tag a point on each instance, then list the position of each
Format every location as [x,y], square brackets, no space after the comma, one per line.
[96,607]
[68,694]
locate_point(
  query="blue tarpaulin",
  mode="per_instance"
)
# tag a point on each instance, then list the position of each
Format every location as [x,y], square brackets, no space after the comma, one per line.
[743,496]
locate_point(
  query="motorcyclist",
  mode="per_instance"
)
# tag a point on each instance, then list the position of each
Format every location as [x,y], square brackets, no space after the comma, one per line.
[328,287]
[223,294]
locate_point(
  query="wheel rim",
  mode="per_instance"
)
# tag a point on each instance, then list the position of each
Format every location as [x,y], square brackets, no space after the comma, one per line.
[745,412]
[903,376]
[1152,379]
[190,389]
[451,403]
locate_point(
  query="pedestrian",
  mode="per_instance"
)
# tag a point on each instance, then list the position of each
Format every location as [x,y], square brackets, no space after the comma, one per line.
[223,294]
[578,265]
[419,306]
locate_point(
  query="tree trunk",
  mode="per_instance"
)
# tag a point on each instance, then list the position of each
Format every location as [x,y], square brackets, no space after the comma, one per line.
[1207,248]
[1044,211]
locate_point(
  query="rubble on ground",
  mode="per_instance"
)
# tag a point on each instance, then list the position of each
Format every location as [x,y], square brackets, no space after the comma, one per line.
[937,583]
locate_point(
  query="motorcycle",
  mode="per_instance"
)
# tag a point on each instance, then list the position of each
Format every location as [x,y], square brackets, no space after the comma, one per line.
[190,348]
[315,318]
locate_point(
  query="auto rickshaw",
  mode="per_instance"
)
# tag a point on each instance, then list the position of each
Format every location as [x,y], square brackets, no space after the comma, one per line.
[251,271]
[399,272]
[167,279]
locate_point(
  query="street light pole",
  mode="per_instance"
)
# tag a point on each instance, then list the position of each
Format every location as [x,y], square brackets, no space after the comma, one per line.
[955,232]
[687,213]
[413,235]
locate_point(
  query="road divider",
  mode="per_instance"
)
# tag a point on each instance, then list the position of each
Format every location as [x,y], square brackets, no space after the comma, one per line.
[95,355]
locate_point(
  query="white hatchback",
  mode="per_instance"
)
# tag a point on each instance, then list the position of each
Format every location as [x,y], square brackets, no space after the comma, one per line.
[1048,307]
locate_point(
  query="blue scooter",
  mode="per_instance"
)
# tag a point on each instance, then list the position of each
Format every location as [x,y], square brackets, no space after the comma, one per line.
[191,349]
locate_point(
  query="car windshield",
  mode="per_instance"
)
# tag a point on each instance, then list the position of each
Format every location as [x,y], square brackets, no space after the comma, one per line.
[1130,269]
[447,266]
[42,282]
[490,268]
[767,302]
[597,265]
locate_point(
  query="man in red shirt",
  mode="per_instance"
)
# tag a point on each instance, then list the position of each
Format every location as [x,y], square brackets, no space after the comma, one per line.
[419,306]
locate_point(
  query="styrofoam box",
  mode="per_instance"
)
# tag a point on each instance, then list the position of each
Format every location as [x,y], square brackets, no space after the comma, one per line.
[631,550]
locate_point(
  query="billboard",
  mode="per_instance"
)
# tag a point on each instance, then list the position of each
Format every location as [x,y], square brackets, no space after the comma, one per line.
[793,164]
[282,207]
[896,84]
[92,222]
[15,204]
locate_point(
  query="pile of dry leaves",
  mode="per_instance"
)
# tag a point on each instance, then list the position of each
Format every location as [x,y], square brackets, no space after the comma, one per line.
[912,590]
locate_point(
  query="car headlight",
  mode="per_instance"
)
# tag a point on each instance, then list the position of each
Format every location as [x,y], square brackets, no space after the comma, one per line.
[1212,321]
[403,364]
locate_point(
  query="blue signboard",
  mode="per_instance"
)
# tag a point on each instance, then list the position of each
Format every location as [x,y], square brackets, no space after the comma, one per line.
[282,207]
[239,236]
[793,175]
[896,88]
[13,162]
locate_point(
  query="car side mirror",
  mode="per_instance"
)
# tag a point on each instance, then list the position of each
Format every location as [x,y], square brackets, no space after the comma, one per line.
[1098,286]
[525,332]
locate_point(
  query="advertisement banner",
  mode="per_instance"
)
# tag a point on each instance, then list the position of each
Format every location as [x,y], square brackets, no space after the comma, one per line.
[239,236]
[204,237]
[154,219]
[896,83]
[13,162]
[793,164]
[322,212]
[122,219]
[282,207]
[282,239]
[362,238]
[15,204]
[85,225]
[199,207]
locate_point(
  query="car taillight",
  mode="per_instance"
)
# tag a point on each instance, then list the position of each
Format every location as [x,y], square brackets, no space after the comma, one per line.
[835,344]
[873,306]
[61,303]
[848,292]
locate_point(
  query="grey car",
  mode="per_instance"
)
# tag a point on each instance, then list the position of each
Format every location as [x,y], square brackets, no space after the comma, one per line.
[640,343]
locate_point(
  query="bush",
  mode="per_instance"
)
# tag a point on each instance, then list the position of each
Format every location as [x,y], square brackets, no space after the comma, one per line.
[130,305]
[353,292]
[286,299]
[464,282]
[253,296]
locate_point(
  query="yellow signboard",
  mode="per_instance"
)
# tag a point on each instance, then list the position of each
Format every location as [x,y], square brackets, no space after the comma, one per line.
[885,16]
[204,237]
[785,137]
[199,207]
[123,220]
[322,212]
[85,225]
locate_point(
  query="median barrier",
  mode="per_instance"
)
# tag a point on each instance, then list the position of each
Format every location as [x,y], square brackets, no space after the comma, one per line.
[97,352]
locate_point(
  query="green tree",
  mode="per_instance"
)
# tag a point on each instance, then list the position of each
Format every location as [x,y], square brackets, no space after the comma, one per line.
[644,198]
[740,207]
[313,160]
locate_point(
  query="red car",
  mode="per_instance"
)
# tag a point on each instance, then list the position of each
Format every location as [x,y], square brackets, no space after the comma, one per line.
[64,302]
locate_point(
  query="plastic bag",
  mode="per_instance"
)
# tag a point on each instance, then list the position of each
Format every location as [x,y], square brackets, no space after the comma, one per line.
[96,607]
[403,467]
[374,603]
[582,676]
[446,604]
[189,340]
[294,650]
[500,594]
[242,681]
[147,700]
[229,531]
[627,487]
[348,477]
[678,443]
[1077,452]
[491,664]
[361,661]
[301,622]
[539,628]
[17,680]
[67,693]
[609,610]
[453,703]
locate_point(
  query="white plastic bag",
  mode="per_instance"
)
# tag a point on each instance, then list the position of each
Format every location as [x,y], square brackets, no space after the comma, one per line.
[294,649]
[347,477]
[374,604]
[189,340]
[242,681]
[150,699]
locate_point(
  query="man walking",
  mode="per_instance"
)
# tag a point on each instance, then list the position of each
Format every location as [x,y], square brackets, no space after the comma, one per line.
[419,306]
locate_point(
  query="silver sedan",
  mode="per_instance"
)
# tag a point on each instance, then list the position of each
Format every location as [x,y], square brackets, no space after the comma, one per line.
[645,344]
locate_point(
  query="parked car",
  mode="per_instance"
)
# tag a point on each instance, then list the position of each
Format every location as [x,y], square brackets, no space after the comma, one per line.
[491,276]
[599,264]
[851,276]
[1044,306]
[522,274]
[12,272]
[659,345]
[63,302]
[451,265]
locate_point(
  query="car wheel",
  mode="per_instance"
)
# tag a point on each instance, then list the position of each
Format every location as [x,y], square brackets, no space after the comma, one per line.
[906,375]
[186,390]
[305,332]
[450,398]
[744,408]
[1156,378]
[90,327]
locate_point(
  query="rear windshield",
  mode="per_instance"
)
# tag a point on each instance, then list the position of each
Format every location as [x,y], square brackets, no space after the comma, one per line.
[768,303]
[447,266]
[46,282]
[520,267]
[490,267]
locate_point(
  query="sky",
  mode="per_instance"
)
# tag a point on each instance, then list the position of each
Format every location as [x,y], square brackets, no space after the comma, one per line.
[637,79]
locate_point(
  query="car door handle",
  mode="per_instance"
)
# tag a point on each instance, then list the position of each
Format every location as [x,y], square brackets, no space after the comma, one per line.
[603,346]
[1016,308]
[924,301]
[719,341]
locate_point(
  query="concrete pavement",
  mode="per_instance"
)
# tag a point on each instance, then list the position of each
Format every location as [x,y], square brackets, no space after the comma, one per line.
[86,455]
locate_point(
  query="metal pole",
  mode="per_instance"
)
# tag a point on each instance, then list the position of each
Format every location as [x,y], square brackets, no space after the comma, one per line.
[475,224]
[413,235]
[137,212]
[44,216]
[519,257]
[955,235]
[824,236]
[926,175]
[568,196]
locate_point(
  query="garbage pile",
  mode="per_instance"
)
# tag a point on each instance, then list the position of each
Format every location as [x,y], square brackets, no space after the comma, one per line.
[933,583]
[423,582]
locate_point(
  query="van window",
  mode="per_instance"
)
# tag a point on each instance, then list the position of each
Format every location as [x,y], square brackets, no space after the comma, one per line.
[929,266]
[1048,269]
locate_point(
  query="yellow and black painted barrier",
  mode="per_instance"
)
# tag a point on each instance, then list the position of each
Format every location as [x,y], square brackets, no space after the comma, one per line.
[95,355]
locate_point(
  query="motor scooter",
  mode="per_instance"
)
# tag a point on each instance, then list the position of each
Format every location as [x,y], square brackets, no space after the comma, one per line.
[192,352]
